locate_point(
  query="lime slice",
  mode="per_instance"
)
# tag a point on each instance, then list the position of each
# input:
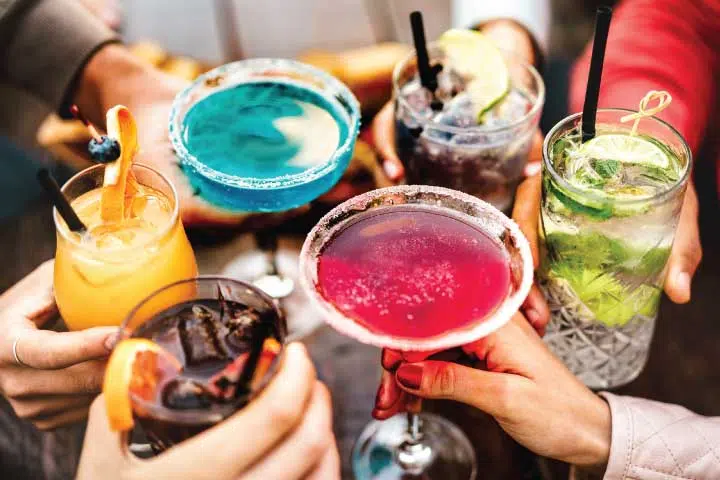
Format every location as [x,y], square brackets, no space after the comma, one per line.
[625,149]
[476,58]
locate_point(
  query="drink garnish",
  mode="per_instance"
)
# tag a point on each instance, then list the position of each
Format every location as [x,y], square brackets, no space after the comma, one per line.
[476,58]
[102,148]
[663,98]
[133,366]
[228,383]
[118,185]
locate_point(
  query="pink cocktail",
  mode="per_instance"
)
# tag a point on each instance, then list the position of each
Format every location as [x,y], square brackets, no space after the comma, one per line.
[416,268]
[413,272]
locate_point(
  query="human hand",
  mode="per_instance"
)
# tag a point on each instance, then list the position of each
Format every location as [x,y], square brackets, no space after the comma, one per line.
[531,394]
[290,424]
[686,251]
[149,94]
[60,373]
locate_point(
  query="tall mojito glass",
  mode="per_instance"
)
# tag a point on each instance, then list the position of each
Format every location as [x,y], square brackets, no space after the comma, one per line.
[610,207]
[475,132]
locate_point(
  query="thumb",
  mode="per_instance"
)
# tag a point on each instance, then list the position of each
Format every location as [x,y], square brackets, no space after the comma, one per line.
[444,380]
[383,133]
[47,350]
[103,449]
[527,210]
[686,251]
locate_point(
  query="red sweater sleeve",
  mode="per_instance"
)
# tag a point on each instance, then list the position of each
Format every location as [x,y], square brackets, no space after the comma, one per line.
[659,45]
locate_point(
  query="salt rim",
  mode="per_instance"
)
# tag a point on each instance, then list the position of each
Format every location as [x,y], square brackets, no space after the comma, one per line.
[241,72]
[347,326]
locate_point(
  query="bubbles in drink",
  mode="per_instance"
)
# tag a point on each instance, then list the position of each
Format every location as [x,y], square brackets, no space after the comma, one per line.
[413,272]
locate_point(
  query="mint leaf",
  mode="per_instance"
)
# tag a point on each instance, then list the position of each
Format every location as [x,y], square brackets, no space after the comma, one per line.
[607,168]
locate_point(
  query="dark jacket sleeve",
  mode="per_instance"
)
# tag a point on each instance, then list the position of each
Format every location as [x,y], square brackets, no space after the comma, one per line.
[45,43]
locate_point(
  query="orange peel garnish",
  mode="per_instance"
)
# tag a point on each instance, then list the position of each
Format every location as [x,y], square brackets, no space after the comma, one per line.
[270,350]
[119,379]
[119,184]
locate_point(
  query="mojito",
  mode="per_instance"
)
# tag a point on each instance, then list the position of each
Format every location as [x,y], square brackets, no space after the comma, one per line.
[610,207]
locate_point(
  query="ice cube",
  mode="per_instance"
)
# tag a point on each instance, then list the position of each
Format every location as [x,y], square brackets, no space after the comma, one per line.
[199,333]
[450,84]
[242,323]
[185,394]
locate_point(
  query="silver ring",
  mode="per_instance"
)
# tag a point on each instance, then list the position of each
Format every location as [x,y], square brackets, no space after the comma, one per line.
[15,354]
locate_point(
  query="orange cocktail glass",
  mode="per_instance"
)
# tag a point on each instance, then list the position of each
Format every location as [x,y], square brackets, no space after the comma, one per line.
[102,274]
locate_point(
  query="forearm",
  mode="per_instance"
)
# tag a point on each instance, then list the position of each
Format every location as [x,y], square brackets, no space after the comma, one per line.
[45,43]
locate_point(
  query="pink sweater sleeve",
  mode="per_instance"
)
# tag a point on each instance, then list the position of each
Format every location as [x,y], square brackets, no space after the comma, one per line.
[668,45]
[654,440]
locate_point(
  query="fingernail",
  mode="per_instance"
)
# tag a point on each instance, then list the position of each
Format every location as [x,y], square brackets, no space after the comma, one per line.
[410,376]
[533,316]
[391,170]
[682,281]
[110,341]
[532,168]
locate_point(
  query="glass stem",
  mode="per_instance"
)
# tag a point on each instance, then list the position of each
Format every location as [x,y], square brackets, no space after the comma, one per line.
[413,455]
[413,428]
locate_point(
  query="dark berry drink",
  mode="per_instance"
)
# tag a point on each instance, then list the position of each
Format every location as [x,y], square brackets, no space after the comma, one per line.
[414,272]
[213,340]
[450,138]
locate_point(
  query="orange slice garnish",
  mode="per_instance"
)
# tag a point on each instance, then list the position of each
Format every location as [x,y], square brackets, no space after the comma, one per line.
[122,376]
[270,350]
[118,183]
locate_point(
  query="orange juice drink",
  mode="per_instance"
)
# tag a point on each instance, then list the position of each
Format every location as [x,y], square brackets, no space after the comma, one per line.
[133,244]
[101,274]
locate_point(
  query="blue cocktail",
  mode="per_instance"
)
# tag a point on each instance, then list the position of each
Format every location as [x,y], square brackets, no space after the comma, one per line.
[264,135]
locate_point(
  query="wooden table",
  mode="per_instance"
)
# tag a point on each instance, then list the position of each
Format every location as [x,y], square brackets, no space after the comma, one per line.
[682,366]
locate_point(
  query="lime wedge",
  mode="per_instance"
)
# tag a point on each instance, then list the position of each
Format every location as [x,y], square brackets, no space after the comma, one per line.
[625,149]
[476,58]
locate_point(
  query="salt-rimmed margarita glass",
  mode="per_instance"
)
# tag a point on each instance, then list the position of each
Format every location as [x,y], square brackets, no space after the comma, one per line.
[419,444]
[273,188]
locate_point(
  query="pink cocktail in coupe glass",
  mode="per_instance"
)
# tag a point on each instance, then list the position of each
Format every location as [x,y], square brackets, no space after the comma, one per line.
[416,268]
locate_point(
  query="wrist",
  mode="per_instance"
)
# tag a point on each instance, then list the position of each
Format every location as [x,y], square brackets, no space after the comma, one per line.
[595,433]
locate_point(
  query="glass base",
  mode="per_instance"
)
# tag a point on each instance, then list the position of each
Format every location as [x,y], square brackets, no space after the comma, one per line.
[385,451]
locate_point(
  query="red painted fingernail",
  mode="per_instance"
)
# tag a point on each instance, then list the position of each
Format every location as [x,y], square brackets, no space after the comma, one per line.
[410,376]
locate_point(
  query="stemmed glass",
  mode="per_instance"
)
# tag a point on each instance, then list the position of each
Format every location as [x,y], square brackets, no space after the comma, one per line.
[419,444]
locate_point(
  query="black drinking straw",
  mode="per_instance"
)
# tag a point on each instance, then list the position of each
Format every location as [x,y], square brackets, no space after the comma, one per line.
[428,76]
[592,92]
[58,199]
[261,333]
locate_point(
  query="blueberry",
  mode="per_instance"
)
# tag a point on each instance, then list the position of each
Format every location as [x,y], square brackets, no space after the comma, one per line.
[104,151]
